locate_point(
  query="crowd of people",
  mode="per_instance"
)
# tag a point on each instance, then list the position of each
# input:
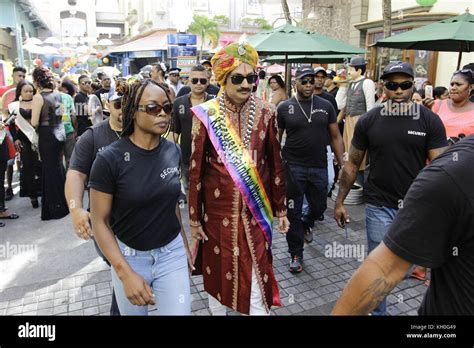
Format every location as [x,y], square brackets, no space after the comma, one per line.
[243,150]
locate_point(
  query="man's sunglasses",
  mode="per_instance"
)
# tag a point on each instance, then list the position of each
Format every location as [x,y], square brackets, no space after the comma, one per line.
[86,83]
[117,104]
[238,79]
[194,81]
[155,109]
[310,81]
[393,86]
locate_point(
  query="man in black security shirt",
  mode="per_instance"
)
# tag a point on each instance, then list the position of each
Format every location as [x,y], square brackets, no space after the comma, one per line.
[400,137]
[434,229]
[81,102]
[310,124]
[94,140]
[183,117]
[104,93]
[210,89]
[320,78]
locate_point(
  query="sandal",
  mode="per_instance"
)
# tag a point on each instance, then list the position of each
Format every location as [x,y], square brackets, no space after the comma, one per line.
[10,217]
[418,275]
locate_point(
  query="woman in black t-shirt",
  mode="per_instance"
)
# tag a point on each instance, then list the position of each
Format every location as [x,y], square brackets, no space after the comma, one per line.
[135,216]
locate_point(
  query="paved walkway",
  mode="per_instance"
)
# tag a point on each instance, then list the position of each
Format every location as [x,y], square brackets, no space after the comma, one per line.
[58,274]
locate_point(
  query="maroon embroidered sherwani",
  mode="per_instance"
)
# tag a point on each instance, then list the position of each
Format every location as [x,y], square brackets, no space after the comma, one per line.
[236,242]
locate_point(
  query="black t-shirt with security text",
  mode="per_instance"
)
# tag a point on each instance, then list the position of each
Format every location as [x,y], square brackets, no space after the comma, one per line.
[145,186]
[398,149]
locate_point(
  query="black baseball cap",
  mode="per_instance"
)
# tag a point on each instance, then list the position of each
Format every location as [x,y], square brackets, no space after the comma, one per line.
[397,67]
[320,69]
[306,71]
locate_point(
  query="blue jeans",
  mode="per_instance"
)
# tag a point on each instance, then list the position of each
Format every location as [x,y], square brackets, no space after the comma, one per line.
[378,221]
[310,182]
[166,271]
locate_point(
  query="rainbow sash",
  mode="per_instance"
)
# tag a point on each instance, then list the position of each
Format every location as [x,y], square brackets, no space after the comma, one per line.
[238,163]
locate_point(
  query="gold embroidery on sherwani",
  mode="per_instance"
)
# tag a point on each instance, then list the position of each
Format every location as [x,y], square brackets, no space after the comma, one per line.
[277,181]
[219,296]
[191,210]
[262,135]
[235,247]
[253,222]
[228,276]
[198,186]
[265,278]
[217,193]
[208,270]
[193,163]
[206,218]
[254,258]
[225,222]
[217,250]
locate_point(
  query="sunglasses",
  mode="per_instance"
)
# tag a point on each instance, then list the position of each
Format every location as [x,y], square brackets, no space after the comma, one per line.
[238,79]
[174,75]
[86,83]
[310,81]
[155,109]
[117,104]
[195,81]
[393,86]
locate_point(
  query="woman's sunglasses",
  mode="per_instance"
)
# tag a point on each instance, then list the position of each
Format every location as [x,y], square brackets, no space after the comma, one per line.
[117,104]
[155,109]
[238,79]
[393,86]
[194,81]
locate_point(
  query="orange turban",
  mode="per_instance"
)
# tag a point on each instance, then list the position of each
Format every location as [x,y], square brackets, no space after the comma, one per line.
[230,57]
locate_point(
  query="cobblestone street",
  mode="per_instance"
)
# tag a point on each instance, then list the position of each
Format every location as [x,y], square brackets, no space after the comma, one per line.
[69,279]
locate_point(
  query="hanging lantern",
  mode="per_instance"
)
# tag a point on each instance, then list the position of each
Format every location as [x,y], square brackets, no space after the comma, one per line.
[105,60]
[56,64]
[37,61]
[98,54]
[99,61]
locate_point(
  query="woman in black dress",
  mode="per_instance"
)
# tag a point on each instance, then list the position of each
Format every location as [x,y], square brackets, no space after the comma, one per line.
[30,171]
[47,118]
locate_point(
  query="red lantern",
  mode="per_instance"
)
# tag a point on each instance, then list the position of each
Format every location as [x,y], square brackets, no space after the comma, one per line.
[98,54]
[37,61]
[57,64]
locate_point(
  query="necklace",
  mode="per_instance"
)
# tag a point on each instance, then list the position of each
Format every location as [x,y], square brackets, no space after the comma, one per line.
[304,113]
[253,108]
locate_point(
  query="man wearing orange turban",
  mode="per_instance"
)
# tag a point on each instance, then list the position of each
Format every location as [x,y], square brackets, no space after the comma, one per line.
[233,241]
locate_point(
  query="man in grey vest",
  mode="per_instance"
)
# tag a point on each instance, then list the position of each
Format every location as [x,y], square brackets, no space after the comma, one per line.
[360,99]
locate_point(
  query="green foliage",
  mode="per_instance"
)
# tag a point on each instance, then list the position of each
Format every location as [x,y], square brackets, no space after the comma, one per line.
[207,29]
[221,20]
[262,23]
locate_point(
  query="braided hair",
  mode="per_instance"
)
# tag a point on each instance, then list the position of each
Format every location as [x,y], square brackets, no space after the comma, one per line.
[131,94]
[43,78]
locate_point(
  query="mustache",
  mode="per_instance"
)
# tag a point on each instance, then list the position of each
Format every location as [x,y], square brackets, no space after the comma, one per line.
[244,90]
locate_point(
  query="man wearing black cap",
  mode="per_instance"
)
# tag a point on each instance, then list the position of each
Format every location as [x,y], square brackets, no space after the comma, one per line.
[94,140]
[329,85]
[399,136]
[320,76]
[310,124]
[210,90]
[360,99]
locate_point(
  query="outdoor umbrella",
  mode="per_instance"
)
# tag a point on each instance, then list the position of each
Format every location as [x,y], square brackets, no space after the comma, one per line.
[317,58]
[275,69]
[52,41]
[455,34]
[290,40]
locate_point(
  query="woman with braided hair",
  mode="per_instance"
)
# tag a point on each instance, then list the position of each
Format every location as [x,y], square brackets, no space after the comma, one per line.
[135,216]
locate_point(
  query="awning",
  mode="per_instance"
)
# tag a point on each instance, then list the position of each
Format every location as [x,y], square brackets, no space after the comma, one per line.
[152,42]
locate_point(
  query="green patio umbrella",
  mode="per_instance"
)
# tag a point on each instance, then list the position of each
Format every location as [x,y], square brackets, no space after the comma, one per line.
[317,58]
[455,34]
[290,40]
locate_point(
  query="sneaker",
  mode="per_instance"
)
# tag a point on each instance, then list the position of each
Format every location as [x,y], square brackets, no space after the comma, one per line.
[308,235]
[8,194]
[296,264]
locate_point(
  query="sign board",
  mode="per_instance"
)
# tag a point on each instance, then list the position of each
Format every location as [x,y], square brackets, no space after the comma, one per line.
[182,51]
[182,39]
[185,63]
